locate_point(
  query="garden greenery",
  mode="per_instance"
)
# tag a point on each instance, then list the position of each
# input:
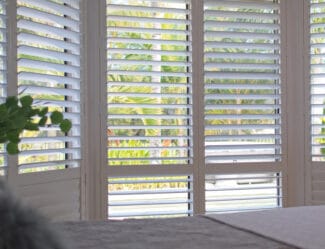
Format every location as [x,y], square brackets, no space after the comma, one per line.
[18,114]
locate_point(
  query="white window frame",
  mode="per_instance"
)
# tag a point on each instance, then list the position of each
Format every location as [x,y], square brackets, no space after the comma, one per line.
[294,75]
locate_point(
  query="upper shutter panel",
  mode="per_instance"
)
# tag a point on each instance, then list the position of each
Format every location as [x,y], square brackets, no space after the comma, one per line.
[49,70]
[242,81]
[149,83]
[3,78]
[317,84]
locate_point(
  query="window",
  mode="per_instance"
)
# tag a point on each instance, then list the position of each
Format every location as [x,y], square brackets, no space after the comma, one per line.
[204,104]
[150,106]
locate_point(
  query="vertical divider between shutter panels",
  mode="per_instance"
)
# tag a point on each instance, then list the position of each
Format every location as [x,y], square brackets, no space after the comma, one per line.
[198,105]
[307,111]
[103,108]
[12,77]
[3,76]
[294,102]
[94,163]
[83,97]
[284,90]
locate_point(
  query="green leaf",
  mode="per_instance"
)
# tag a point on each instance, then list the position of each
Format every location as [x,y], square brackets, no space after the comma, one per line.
[56,117]
[13,136]
[26,100]
[31,126]
[42,121]
[12,148]
[11,101]
[3,139]
[65,125]
[18,121]
[3,112]
[43,111]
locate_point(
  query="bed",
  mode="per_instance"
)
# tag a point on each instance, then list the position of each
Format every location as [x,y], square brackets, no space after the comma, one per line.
[300,227]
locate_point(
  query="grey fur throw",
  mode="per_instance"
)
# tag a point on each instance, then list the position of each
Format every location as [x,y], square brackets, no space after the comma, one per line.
[22,227]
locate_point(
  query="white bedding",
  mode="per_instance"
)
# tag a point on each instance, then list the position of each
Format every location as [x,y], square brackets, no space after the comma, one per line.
[288,228]
[303,227]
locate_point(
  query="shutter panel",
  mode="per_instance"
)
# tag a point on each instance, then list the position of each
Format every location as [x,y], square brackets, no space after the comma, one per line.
[149,197]
[149,101]
[242,81]
[243,192]
[242,104]
[317,88]
[49,70]
[317,101]
[3,78]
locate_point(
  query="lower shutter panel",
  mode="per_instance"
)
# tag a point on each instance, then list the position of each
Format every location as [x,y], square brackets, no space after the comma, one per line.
[242,192]
[55,195]
[147,197]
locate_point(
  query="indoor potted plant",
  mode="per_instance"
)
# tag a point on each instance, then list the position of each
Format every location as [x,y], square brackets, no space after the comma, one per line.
[18,114]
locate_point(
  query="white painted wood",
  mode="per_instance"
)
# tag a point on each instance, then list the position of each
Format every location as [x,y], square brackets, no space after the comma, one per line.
[55,193]
[47,177]
[198,106]
[12,78]
[294,97]
[56,200]
[95,155]
[308,171]
[149,171]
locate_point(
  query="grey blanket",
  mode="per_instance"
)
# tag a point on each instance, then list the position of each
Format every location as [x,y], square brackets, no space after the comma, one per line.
[199,232]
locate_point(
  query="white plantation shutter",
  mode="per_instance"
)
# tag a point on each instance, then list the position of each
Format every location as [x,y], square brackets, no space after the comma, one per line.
[317,87]
[49,69]
[242,98]
[243,192]
[149,98]
[242,81]
[3,78]
[149,197]
[317,102]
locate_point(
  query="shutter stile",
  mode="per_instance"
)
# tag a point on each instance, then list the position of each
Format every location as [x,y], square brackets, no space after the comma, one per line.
[3,77]
[242,82]
[49,70]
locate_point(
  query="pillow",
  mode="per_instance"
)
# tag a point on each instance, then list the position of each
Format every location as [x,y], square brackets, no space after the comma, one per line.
[22,227]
